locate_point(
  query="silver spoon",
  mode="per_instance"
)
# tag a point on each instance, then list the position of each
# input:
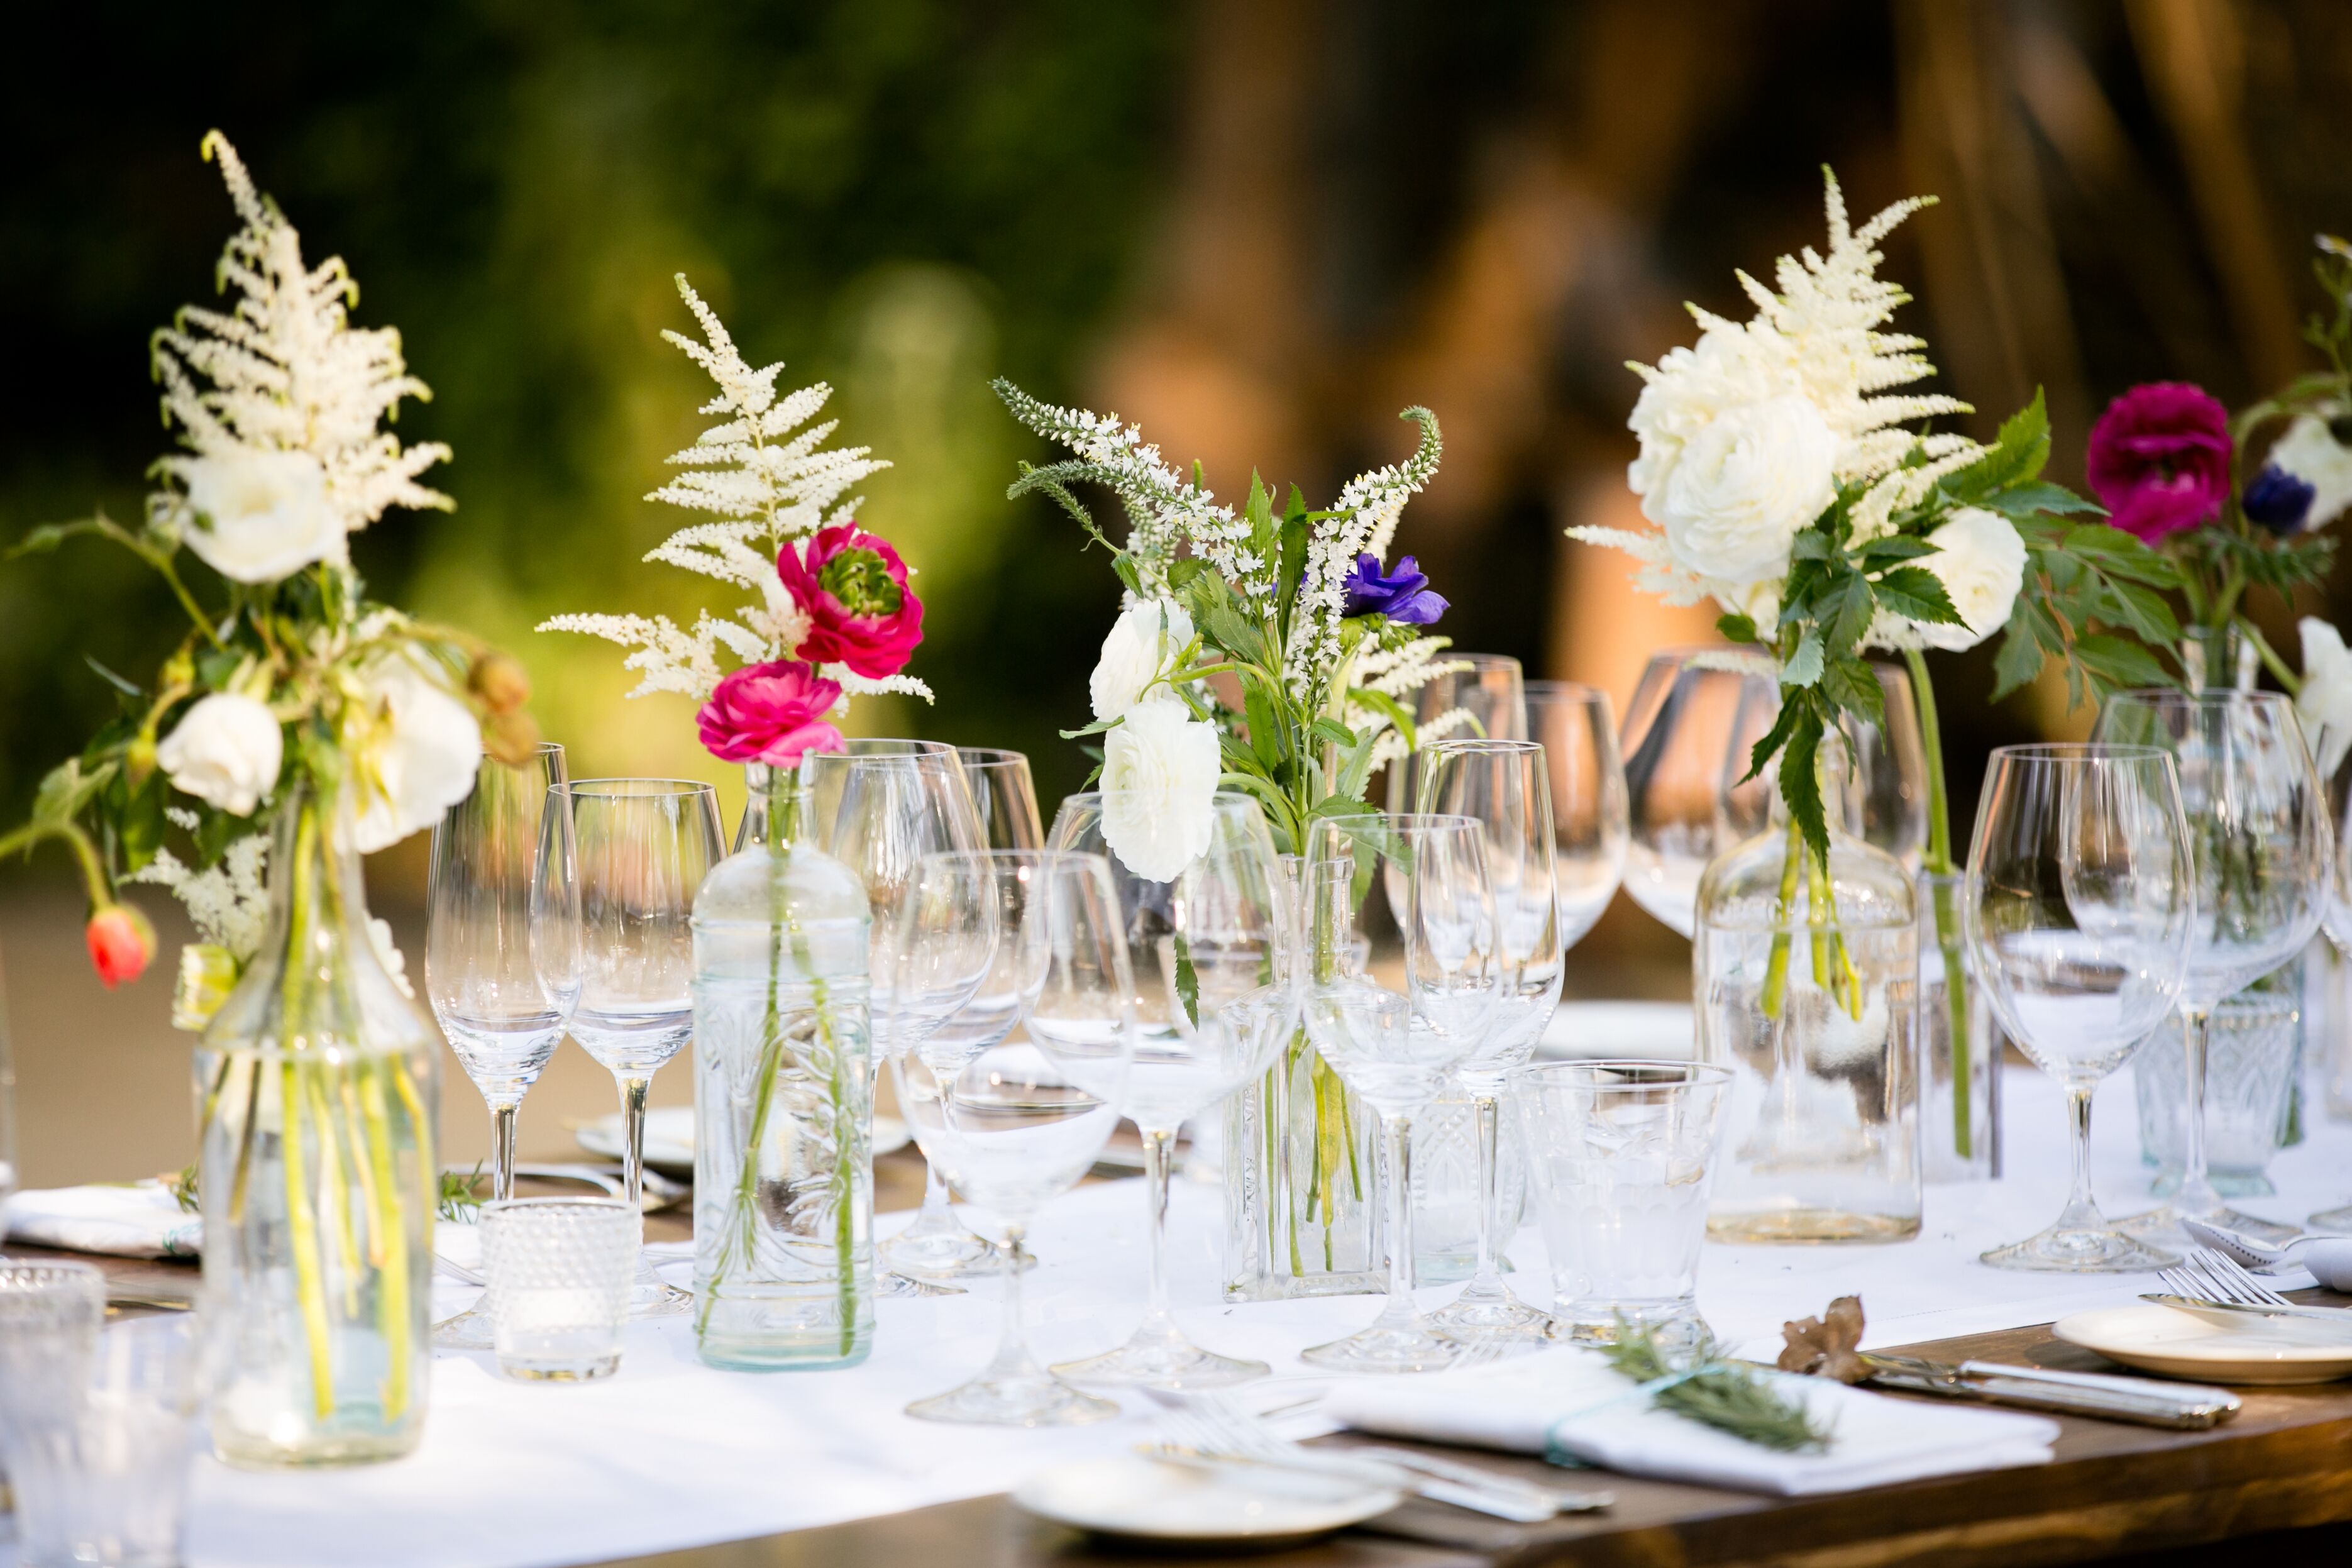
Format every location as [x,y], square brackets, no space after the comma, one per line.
[2245,1250]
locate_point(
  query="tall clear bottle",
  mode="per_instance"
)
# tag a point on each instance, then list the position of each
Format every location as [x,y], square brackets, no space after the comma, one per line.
[783,1169]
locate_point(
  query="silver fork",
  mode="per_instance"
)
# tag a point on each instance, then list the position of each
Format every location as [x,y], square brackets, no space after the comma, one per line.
[2210,1283]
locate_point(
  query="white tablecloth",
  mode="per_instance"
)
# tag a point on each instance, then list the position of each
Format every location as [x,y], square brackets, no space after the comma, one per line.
[670,1454]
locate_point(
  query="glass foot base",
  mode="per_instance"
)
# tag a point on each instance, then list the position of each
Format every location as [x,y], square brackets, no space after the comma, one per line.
[1487,1313]
[1387,1348]
[2069,1251]
[651,1296]
[1029,1400]
[1169,1361]
[469,1331]
[904,1286]
[2333,1219]
[2161,1227]
[958,1255]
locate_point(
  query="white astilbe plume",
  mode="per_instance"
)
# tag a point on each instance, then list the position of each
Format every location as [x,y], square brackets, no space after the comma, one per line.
[227,903]
[1165,510]
[284,371]
[1368,509]
[768,487]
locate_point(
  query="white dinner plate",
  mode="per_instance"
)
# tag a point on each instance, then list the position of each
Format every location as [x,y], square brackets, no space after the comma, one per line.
[670,1138]
[1139,1499]
[2181,1344]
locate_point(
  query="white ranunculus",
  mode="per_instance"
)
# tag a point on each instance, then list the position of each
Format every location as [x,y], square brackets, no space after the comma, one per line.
[1160,784]
[1981,562]
[1142,642]
[226,751]
[426,751]
[260,515]
[1744,487]
[2312,454]
[2325,702]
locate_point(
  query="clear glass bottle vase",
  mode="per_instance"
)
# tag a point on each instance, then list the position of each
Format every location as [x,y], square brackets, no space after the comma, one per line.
[783,1169]
[317,1084]
[1807,982]
[1302,1196]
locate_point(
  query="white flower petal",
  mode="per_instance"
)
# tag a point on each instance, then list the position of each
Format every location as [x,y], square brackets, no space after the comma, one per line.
[226,751]
[1158,782]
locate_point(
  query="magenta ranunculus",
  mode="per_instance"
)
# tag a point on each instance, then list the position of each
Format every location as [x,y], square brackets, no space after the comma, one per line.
[861,613]
[770,713]
[2159,458]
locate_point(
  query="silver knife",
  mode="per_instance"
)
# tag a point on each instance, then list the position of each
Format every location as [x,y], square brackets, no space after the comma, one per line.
[2336,1318]
[2184,1406]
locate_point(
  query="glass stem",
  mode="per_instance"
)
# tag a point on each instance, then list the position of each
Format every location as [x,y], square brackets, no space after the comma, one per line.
[1012,1359]
[2196,1196]
[936,1214]
[502,1150]
[1156,1148]
[2081,1209]
[1396,1133]
[633,1137]
[1488,1108]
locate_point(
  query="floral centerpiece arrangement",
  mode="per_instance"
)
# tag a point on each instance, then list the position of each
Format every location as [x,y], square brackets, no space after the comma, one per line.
[1323,648]
[297,724]
[1794,484]
[831,616]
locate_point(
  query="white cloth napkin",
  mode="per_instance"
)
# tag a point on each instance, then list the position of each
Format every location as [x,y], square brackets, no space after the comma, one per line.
[131,1219]
[2330,1263]
[1570,1399]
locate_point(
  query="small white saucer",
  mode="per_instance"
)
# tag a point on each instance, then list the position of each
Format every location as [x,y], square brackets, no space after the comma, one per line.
[670,1138]
[1138,1499]
[2179,1344]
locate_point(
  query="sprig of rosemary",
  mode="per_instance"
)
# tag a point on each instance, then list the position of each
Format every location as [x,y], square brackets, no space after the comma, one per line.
[183,1188]
[458,1202]
[1718,1393]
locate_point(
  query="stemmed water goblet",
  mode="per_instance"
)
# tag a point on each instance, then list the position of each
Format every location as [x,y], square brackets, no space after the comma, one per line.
[1488,689]
[1396,1047]
[879,807]
[2262,850]
[1504,787]
[1686,743]
[641,848]
[2080,896]
[1208,1019]
[2338,924]
[1574,726]
[1017,1121]
[503,1003]
[1004,797]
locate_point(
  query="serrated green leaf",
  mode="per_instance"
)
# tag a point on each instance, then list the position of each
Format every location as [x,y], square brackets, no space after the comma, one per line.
[2016,455]
[1810,544]
[1188,982]
[2118,662]
[1356,767]
[1804,666]
[1267,740]
[1736,627]
[1764,749]
[1326,728]
[2017,661]
[1391,707]
[1891,551]
[1854,686]
[2032,499]
[1849,608]
[1800,786]
[1918,594]
[2144,610]
[1258,511]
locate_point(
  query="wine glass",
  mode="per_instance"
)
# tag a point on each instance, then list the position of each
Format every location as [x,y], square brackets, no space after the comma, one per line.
[1490,689]
[1579,735]
[2080,896]
[641,848]
[502,1004]
[1686,744]
[1396,1047]
[2338,925]
[879,807]
[1014,1122]
[1505,787]
[1209,1020]
[1004,797]
[2263,853]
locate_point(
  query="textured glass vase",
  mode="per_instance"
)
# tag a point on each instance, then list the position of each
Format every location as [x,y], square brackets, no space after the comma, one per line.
[1807,990]
[1960,1045]
[1445,1187]
[2252,1051]
[1302,1210]
[783,1169]
[316,1089]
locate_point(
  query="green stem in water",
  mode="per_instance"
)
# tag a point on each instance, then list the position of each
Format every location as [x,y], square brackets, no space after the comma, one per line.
[2287,679]
[1775,972]
[1939,866]
[301,1221]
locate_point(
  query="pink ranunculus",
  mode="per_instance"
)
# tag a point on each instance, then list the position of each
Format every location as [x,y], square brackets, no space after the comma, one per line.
[853,587]
[770,713]
[2159,458]
[121,945]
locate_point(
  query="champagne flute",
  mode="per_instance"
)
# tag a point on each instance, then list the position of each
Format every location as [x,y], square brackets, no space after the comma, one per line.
[1395,1048]
[1017,1121]
[2263,853]
[2081,894]
[641,849]
[879,807]
[1505,787]
[1203,945]
[1488,689]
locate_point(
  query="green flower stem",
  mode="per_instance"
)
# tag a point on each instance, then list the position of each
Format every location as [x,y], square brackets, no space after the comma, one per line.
[1776,971]
[1938,861]
[302,1228]
[93,871]
[391,1291]
[2280,670]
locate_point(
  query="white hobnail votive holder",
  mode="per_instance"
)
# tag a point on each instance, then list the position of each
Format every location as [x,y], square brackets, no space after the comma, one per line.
[559,1272]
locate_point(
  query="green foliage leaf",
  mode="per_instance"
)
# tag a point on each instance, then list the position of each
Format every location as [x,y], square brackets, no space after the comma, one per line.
[1804,666]
[2018,660]
[1736,627]
[1326,728]
[1188,982]
[2016,457]
[1390,707]
[1854,686]
[1800,786]
[1918,594]
[2117,662]
[2026,501]
[1892,550]
[2119,554]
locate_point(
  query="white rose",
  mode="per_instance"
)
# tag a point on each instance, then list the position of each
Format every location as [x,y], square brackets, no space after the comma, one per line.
[1142,642]
[1159,784]
[1744,486]
[2325,702]
[424,756]
[2313,455]
[226,751]
[1981,562]
[260,515]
